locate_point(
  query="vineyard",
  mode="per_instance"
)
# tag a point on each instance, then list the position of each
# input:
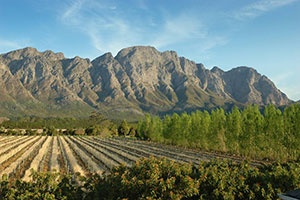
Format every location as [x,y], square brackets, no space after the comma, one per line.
[84,155]
[117,168]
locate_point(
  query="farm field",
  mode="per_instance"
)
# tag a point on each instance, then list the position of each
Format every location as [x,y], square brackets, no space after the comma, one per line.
[86,155]
[77,154]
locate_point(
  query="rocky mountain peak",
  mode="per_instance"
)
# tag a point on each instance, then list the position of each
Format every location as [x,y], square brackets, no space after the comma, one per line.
[244,69]
[21,53]
[129,51]
[53,56]
[137,53]
[249,86]
[138,79]
[200,67]
[217,70]
[30,52]
[107,57]
[171,55]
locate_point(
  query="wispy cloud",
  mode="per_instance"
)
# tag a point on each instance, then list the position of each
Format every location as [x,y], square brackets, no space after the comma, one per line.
[259,7]
[292,91]
[110,28]
[111,34]
[282,77]
[179,29]
[287,83]
[70,15]
[8,45]
[99,20]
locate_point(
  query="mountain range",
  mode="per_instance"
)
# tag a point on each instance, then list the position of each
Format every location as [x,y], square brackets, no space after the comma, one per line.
[138,79]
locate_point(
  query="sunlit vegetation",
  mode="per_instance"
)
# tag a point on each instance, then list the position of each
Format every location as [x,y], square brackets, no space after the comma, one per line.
[60,123]
[122,167]
[162,179]
[96,124]
[271,134]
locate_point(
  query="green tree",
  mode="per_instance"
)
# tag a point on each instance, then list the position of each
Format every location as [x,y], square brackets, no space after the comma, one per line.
[185,130]
[50,131]
[155,129]
[195,136]
[217,130]
[166,129]
[123,129]
[175,129]
[132,132]
[233,130]
[143,127]
[92,130]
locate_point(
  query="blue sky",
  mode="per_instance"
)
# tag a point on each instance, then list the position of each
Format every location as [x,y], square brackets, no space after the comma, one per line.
[263,34]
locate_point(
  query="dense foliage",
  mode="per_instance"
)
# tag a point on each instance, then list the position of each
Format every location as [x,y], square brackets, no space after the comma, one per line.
[94,125]
[272,134]
[61,123]
[162,179]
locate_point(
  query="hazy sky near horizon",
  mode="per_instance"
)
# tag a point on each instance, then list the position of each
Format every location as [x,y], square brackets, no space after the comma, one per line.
[263,34]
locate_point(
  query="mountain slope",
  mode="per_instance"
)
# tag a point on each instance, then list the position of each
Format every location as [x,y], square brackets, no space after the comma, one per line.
[136,80]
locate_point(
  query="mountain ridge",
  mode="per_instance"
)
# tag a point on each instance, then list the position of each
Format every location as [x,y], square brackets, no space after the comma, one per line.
[138,79]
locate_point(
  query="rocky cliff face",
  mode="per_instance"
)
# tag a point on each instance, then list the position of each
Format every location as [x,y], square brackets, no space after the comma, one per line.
[137,79]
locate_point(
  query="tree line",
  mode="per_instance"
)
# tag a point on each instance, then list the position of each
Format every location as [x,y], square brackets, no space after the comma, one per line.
[96,124]
[268,134]
[33,122]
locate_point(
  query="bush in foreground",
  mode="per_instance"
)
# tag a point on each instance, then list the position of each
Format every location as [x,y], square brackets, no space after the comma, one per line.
[162,179]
